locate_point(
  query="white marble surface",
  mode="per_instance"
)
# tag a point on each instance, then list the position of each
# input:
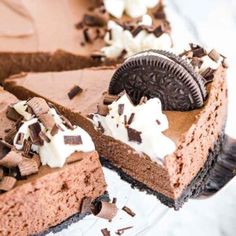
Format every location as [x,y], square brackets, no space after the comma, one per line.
[211,23]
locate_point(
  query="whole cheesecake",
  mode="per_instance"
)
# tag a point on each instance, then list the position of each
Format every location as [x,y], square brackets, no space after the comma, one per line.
[158,119]
[39,169]
[61,35]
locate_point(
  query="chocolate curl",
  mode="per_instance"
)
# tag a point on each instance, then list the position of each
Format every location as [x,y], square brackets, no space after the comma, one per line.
[73,158]
[28,167]
[121,231]
[104,210]
[12,114]
[12,159]
[38,105]
[7,183]
[214,55]
[47,120]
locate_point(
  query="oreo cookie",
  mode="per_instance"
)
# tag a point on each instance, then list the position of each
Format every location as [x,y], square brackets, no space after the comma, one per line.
[158,73]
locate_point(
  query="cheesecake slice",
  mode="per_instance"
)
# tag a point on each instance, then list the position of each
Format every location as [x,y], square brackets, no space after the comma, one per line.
[191,113]
[61,35]
[47,168]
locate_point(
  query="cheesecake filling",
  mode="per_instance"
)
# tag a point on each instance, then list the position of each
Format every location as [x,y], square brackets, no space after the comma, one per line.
[59,144]
[138,126]
[119,39]
[132,8]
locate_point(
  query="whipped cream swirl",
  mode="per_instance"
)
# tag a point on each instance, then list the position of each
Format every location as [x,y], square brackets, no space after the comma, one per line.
[55,152]
[120,39]
[133,8]
[147,121]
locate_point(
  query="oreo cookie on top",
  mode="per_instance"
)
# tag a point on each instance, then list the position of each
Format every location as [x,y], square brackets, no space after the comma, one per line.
[162,74]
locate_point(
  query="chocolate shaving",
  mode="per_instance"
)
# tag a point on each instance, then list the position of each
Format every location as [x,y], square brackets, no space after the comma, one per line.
[100,127]
[131,118]
[73,140]
[137,30]
[73,158]
[7,183]
[108,99]
[94,20]
[208,75]
[54,130]
[121,231]
[158,122]
[44,137]
[47,120]
[12,114]
[134,135]
[12,159]
[143,100]
[198,51]
[214,55]
[103,110]
[86,205]
[20,138]
[28,167]
[34,131]
[159,31]
[128,211]
[114,200]
[104,210]
[74,91]
[105,232]
[38,105]
[121,109]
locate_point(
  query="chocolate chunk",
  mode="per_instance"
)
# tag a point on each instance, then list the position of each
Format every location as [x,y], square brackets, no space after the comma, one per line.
[28,167]
[128,211]
[12,159]
[74,91]
[34,131]
[104,210]
[47,120]
[108,99]
[150,74]
[197,50]
[44,137]
[26,147]
[38,105]
[214,55]
[86,205]
[121,109]
[7,183]
[208,75]
[134,135]
[73,140]
[105,232]
[103,110]
[122,230]
[9,138]
[12,114]
[131,118]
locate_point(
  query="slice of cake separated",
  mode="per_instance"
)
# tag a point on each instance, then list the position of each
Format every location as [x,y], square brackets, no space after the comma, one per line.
[48,167]
[158,119]
[59,35]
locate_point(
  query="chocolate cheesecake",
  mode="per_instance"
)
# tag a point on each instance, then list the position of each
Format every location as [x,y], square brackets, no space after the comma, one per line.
[158,120]
[47,168]
[60,35]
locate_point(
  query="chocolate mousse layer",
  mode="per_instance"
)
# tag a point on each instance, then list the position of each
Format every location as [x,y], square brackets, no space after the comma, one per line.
[46,35]
[195,133]
[52,195]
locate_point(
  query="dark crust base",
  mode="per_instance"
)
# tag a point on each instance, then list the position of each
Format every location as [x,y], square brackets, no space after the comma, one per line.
[73,219]
[191,190]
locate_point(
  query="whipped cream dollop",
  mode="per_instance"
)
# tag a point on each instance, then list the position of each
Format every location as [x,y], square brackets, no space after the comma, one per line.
[133,8]
[54,152]
[119,39]
[138,126]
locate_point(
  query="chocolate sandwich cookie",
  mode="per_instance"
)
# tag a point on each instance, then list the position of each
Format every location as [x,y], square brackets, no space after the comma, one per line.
[157,73]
